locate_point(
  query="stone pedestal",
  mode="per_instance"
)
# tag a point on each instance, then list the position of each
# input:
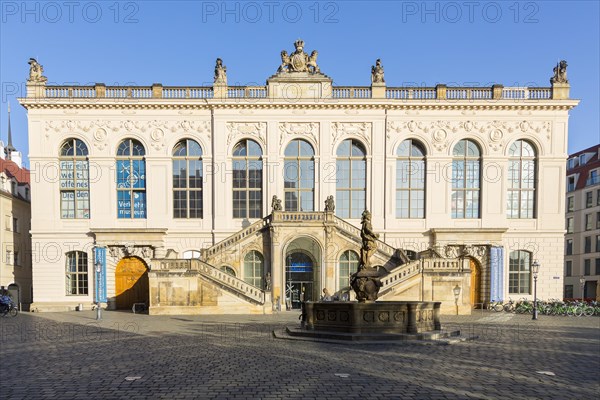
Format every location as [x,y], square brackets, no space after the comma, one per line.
[299,85]
[560,91]
[375,317]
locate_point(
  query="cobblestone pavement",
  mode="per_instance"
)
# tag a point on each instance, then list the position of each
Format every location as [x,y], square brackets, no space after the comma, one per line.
[72,356]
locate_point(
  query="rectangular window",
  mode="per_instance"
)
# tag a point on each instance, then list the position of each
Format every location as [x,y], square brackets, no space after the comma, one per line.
[597,243]
[570,203]
[568,291]
[598,197]
[598,220]
[15,225]
[588,222]
[9,257]
[588,245]
[569,247]
[519,277]
[587,267]
[568,268]
[570,163]
[570,183]
[16,258]
[582,159]
[597,266]
[77,273]
[594,179]
[74,189]
[570,225]
[588,199]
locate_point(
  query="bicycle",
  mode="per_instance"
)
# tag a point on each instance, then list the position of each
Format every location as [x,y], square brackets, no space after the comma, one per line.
[9,308]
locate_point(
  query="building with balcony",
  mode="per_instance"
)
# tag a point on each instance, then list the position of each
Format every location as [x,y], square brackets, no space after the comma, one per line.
[582,240]
[226,199]
[15,211]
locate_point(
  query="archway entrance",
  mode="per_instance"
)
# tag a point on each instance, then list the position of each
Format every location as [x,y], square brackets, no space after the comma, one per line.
[301,272]
[131,283]
[475,282]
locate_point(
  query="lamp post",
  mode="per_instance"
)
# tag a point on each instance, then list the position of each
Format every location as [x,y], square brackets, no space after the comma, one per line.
[456,292]
[536,269]
[582,283]
[98,266]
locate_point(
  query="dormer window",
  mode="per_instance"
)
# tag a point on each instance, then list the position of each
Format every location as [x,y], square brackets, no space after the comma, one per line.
[582,159]
[571,163]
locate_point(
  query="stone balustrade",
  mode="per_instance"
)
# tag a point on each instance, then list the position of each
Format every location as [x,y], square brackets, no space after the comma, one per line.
[235,238]
[400,274]
[440,92]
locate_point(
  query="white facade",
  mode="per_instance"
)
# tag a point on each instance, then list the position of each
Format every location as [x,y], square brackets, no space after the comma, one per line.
[160,118]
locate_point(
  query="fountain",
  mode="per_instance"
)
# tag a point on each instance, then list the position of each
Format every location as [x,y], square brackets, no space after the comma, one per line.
[367,318]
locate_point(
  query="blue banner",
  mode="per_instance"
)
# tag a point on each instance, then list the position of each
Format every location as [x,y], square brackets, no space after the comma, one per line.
[100,273]
[496,274]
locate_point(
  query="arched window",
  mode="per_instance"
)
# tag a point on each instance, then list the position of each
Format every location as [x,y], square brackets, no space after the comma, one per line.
[410,180]
[466,180]
[74,180]
[521,180]
[190,254]
[351,177]
[228,270]
[253,269]
[299,176]
[247,180]
[77,273]
[348,266]
[519,273]
[187,179]
[131,180]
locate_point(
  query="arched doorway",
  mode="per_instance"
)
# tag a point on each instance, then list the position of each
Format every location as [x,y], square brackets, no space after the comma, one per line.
[15,294]
[131,283]
[301,272]
[475,282]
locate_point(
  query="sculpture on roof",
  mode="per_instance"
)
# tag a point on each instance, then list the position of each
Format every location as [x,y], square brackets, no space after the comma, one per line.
[560,73]
[36,71]
[299,60]
[329,204]
[220,72]
[276,204]
[377,72]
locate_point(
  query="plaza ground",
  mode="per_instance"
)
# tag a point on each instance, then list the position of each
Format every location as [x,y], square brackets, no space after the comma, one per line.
[136,356]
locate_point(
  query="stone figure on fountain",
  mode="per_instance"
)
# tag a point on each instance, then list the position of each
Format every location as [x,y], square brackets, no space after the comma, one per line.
[365,281]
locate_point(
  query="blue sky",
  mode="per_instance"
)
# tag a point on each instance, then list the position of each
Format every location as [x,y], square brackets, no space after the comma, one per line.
[425,43]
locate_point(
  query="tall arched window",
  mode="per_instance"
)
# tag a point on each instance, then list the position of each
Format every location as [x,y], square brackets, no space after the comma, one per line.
[253,268]
[351,177]
[519,273]
[521,180]
[348,266]
[299,176]
[466,179]
[410,180]
[131,180]
[77,273]
[74,180]
[247,180]
[187,179]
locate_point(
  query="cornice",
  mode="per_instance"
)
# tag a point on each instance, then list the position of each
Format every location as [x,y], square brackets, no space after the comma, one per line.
[325,104]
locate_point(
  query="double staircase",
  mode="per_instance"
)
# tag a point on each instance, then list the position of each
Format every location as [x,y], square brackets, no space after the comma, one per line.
[397,268]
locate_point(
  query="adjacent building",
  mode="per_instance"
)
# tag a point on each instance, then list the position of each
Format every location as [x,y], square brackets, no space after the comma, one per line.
[15,211]
[242,198]
[582,240]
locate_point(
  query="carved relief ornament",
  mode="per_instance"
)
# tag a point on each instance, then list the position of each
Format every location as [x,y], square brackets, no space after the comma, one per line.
[494,131]
[100,129]
[256,129]
[360,129]
[298,129]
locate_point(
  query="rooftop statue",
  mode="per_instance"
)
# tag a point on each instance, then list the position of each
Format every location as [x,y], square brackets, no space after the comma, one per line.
[36,71]
[299,61]
[377,72]
[560,73]
[220,72]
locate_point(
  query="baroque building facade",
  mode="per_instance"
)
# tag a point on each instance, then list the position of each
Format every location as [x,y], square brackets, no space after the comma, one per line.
[247,199]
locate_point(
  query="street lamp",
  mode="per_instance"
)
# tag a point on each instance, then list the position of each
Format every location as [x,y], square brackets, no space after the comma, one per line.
[456,292]
[582,283]
[536,269]
[98,266]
